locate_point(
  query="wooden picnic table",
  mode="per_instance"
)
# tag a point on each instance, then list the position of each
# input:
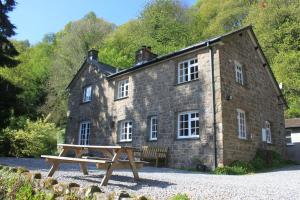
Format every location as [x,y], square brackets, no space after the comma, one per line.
[109,163]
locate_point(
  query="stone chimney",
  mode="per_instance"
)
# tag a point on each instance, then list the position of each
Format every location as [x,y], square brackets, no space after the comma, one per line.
[93,54]
[143,55]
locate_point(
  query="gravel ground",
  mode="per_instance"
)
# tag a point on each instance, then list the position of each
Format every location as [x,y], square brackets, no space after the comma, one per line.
[161,183]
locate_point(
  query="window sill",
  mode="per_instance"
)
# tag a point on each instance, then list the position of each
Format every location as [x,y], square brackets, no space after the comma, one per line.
[188,138]
[119,99]
[290,144]
[85,102]
[152,140]
[183,83]
[124,142]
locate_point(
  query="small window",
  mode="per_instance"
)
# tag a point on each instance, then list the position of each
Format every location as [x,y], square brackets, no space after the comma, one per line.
[239,73]
[188,70]
[84,133]
[188,125]
[241,118]
[126,131]
[268,132]
[123,89]
[153,128]
[87,94]
[288,137]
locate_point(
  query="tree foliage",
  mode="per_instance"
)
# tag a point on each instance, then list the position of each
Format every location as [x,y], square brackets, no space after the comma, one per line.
[46,68]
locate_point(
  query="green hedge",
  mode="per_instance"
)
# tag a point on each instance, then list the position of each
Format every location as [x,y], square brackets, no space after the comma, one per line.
[32,139]
[263,160]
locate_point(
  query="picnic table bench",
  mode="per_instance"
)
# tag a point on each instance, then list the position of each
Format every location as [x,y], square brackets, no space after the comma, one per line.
[109,163]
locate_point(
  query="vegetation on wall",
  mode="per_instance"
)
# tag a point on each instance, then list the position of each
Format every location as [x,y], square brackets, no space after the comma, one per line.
[34,82]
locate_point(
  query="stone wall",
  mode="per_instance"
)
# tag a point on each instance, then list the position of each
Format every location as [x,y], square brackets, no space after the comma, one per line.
[257,97]
[154,91]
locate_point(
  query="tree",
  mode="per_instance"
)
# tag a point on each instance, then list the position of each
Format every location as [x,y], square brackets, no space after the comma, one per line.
[70,48]
[8,92]
[162,24]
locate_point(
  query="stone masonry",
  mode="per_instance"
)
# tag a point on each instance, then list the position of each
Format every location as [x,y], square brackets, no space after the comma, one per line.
[154,91]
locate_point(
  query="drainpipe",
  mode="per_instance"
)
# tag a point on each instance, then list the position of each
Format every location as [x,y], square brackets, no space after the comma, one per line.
[213,102]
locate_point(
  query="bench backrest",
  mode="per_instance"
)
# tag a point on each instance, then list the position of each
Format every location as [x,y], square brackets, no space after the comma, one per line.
[154,152]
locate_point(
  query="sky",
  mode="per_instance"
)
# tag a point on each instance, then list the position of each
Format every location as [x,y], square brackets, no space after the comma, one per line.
[35,18]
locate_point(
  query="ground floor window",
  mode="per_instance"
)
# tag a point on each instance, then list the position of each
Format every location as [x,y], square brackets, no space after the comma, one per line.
[126,131]
[84,133]
[188,124]
[288,137]
[241,119]
[153,128]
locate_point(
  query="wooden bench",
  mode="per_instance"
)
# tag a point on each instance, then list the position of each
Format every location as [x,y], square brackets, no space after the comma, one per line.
[154,153]
[56,160]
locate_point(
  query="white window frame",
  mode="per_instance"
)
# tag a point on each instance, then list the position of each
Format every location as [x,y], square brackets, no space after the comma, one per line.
[239,77]
[289,136]
[87,94]
[126,131]
[189,128]
[153,128]
[241,123]
[84,133]
[192,70]
[123,87]
[268,132]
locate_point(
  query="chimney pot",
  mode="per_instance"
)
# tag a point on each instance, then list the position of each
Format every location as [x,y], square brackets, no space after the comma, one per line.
[93,54]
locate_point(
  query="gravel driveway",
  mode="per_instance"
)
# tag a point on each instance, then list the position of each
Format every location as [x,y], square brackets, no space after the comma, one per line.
[161,183]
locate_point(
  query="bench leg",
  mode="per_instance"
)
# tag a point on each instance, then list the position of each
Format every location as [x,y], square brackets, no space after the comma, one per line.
[53,169]
[156,162]
[110,168]
[83,167]
[132,164]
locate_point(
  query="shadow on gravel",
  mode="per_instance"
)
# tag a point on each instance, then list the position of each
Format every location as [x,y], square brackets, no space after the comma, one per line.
[124,181]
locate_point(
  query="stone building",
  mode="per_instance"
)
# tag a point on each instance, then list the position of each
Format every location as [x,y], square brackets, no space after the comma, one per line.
[215,101]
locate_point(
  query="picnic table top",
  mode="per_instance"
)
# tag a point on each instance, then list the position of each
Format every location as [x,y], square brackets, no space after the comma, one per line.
[94,146]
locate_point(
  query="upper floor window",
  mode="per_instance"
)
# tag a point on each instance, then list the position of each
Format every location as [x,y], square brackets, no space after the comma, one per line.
[87,94]
[188,124]
[126,131]
[241,118]
[123,89]
[188,70]
[239,78]
[288,137]
[84,133]
[153,128]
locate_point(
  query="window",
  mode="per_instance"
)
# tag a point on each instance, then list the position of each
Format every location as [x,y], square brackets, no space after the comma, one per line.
[188,125]
[188,70]
[288,137]
[123,89]
[239,73]
[87,94]
[126,131]
[268,132]
[241,118]
[84,134]
[153,128]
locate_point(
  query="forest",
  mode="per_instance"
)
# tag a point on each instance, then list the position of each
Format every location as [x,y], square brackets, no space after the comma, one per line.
[33,78]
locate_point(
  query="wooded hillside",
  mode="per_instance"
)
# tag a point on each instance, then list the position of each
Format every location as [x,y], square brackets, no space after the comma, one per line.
[45,69]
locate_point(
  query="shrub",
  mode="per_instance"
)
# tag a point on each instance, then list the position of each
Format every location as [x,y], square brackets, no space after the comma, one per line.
[35,138]
[180,197]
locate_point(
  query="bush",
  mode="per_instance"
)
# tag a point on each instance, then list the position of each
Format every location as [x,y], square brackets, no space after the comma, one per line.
[14,186]
[35,138]
[263,159]
[180,197]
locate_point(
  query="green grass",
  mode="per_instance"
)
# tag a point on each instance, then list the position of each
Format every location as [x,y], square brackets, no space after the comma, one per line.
[180,197]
